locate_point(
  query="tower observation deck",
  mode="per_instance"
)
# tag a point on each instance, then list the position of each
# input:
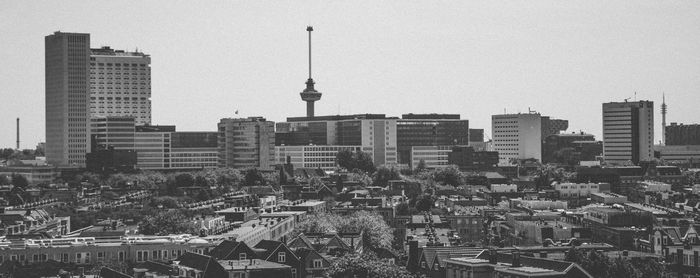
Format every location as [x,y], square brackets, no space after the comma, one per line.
[310,95]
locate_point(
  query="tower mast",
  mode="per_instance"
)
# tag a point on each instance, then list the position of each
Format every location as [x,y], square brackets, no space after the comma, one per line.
[663,119]
[310,95]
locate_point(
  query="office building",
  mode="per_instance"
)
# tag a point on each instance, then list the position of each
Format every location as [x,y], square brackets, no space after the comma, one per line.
[152,146]
[67,77]
[581,146]
[376,134]
[246,142]
[680,134]
[517,137]
[418,130]
[194,150]
[553,126]
[157,147]
[434,157]
[112,132]
[680,155]
[120,84]
[323,156]
[628,132]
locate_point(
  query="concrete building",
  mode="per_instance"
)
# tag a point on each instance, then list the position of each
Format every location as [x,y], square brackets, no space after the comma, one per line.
[419,130]
[120,84]
[311,156]
[112,131]
[374,133]
[517,136]
[246,142]
[608,198]
[680,134]
[582,145]
[194,150]
[679,154]
[628,132]
[152,146]
[435,157]
[553,126]
[576,190]
[67,75]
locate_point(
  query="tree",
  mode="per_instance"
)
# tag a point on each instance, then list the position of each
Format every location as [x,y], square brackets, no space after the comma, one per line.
[19,181]
[365,265]
[4,180]
[383,175]
[355,161]
[253,177]
[449,175]
[184,180]
[424,203]
[421,166]
[403,209]
[167,222]
[376,233]
[600,265]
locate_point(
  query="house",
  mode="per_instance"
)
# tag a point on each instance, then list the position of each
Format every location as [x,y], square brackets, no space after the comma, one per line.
[193,265]
[312,263]
[232,250]
[278,252]
[331,243]
[495,264]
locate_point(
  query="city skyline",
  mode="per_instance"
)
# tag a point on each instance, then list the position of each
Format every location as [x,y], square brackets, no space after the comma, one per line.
[482,62]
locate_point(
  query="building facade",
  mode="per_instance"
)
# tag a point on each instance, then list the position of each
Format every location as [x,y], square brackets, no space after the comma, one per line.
[375,134]
[323,157]
[120,84]
[421,130]
[67,71]
[680,134]
[246,142]
[628,132]
[517,136]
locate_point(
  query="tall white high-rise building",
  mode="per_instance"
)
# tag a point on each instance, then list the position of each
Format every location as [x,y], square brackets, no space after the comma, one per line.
[628,132]
[120,84]
[517,136]
[67,71]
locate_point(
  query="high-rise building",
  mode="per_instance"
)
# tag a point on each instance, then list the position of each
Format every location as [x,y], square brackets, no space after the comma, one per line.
[375,133]
[517,137]
[420,130]
[120,84]
[246,143]
[553,126]
[628,132]
[67,71]
[682,135]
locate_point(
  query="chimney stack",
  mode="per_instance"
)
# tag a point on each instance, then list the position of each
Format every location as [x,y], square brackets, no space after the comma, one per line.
[493,256]
[516,258]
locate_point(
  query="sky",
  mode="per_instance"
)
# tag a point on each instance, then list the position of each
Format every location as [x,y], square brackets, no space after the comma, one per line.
[474,58]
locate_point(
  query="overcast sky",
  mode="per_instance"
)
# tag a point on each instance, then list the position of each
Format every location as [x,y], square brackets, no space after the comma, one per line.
[475,58]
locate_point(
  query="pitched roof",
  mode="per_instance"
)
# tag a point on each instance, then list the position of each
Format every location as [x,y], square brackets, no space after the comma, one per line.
[267,247]
[445,252]
[224,248]
[208,265]
[107,272]
[507,258]
[300,241]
